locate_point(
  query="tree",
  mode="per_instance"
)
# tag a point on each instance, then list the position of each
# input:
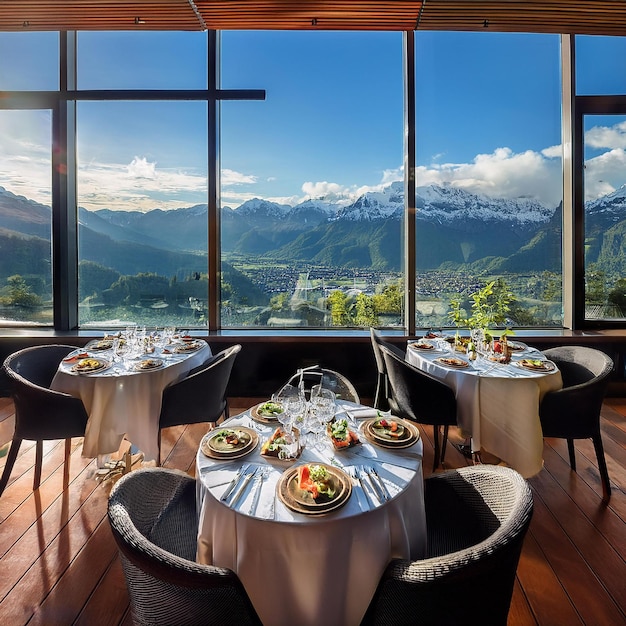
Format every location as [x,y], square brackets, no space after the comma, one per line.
[18,293]
[337,303]
[365,311]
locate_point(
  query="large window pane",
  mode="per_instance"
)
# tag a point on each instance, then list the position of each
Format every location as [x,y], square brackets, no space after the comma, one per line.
[311,185]
[29,61]
[605,217]
[150,60]
[142,181]
[489,182]
[600,65]
[25,218]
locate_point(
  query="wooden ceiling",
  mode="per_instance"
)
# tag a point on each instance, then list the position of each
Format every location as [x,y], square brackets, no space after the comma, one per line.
[601,17]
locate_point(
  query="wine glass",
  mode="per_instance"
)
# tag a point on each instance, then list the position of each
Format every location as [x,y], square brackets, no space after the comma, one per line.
[290,398]
[322,411]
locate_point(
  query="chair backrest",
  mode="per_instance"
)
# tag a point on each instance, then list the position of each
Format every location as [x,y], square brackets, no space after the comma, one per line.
[339,384]
[152,512]
[40,412]
[477,518]
[574,411]
[416,395]
[381,396]
[202,395]
[580,364]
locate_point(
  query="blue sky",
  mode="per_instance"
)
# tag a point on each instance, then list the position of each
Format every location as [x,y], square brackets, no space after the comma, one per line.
[488,113]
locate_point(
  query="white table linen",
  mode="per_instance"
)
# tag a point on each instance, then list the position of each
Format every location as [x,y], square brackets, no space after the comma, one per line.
[300,569]
[497,404]
[124,402]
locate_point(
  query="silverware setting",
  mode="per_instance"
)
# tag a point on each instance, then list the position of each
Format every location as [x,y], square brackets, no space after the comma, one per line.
[366,473]
[261,475]
[234,481]
[365,503]
[243,483]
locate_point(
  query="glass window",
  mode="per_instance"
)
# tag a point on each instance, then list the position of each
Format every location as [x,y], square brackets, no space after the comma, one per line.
[150,60]
[25,218]
[142,197]
[605,217]
[600,65]
[489,174]
[30,61]
[311,180]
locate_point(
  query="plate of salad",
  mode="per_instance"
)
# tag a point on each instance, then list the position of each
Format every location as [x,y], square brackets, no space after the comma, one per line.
[314,488]
[391,432]
[341,435]
[231,443]
[267,412]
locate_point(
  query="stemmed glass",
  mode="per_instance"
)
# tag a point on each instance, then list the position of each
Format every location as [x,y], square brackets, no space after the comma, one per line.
[322,411]
[293,403]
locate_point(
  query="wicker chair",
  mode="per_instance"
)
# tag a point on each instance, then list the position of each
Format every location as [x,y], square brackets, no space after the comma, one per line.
[152,512]
[420,397]
[201,395]
[477,518]
[315,375]
[41,414]
[573,412]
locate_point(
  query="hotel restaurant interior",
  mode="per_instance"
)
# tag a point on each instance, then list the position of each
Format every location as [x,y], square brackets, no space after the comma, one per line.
[313,312]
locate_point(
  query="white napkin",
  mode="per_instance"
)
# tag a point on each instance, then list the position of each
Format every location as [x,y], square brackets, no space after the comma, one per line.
[365,413]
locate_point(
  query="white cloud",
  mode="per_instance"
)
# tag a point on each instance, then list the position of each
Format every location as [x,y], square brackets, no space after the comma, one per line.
[502,173]
[230,177]
[607,136]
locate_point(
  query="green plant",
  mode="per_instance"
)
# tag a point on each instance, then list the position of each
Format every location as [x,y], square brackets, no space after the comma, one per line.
[489,308]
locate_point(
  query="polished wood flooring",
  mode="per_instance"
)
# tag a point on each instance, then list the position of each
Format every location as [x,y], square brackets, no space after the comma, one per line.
[59,565]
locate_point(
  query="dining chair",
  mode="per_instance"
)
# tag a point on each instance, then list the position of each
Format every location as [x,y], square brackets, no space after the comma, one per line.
[201,396]
[382,382]
[476,518]
[153,517]
[339,384]
[573,412]
[41,414]
[417,396]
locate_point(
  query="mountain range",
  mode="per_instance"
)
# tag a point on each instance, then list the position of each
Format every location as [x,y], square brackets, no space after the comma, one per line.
[454,228]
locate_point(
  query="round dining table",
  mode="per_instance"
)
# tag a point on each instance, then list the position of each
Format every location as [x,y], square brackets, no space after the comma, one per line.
[497,403]
[124,400]
[301,568]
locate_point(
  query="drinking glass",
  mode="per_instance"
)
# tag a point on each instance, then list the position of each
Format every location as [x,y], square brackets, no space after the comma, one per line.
[322,411]
[292,401]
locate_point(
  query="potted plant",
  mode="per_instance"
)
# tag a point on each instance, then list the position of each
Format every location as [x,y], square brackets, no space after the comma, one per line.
[489,308]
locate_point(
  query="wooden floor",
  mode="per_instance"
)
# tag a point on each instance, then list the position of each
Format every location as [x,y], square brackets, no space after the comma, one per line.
[59,564]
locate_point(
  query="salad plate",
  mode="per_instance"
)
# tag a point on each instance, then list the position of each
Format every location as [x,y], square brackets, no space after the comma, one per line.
[229,443]
[100,344]
[90,365]
[148,364]
[452,362]
[266,412]
[422,344]
[536,365]
[326,477]
[190,346]
[391,432]
[516,346]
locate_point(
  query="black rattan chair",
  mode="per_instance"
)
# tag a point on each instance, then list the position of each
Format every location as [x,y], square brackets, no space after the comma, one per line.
[152,512]
[382,382]
[201,395]
[41,414]
[476,518]
[573,412]
[420,397]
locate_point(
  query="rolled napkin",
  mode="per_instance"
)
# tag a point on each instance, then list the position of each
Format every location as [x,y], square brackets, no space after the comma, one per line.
[367,412]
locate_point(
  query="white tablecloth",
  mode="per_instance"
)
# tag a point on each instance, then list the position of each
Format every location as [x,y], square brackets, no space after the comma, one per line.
[497,405]
[122,402]
[300,569]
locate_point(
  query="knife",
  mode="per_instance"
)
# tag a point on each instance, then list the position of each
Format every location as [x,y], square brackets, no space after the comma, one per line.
[234,482]
[241,489]
[375,486]
[381,482]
